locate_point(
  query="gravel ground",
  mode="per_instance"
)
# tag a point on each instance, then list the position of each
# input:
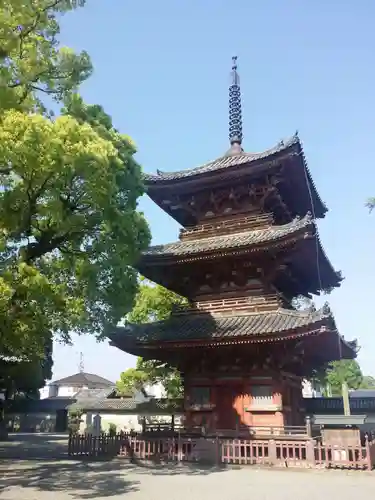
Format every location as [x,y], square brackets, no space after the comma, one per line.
[65,480]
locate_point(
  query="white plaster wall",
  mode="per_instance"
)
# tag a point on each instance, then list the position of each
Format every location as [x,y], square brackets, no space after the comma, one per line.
[44,392]
[52,391]
[67,391]
[308,390]
[123,422]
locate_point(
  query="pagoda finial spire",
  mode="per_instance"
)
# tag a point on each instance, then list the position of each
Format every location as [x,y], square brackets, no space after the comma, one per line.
[235,113]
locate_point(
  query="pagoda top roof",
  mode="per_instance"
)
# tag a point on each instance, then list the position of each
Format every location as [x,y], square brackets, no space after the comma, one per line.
[229,159]
[200,329]
[238,240]
[236,163]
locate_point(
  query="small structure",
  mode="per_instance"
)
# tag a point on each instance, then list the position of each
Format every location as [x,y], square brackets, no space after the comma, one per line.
[249,245]
[71,385]
[126,413]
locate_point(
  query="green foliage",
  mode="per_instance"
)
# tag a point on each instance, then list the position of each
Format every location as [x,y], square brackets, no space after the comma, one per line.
[370,204]
[345,370]
[26,377]
[69,228]
[368,382]
[32,64]
[112,429]
[131,380]
[153,303]
[74,420]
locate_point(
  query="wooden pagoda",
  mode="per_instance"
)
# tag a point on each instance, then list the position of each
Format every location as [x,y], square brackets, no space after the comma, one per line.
[249,246]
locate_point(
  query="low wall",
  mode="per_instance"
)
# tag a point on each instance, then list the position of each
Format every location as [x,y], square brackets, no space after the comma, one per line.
[271,452]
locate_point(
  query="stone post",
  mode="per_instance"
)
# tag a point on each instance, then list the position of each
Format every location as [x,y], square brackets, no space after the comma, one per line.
[272,455]
[345,398]
[308,427]
[310,452]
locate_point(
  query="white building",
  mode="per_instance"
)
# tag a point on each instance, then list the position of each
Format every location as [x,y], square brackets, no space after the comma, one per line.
[309,390]
[69,386]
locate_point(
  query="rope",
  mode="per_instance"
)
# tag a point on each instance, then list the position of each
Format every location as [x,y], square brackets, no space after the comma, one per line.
[317,241]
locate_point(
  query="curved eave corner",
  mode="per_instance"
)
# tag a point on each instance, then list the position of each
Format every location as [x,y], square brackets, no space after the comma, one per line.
[334,278]
[319,208]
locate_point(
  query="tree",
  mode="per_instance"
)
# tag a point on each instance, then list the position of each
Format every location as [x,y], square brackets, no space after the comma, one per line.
[345,370]
[24,378]
[368,382]
[32,64]
[69,227]
[153,303]
[370,204]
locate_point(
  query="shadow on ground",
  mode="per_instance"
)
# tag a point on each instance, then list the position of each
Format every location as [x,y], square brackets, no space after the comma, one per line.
[76,479]
[86,479]
[23,446]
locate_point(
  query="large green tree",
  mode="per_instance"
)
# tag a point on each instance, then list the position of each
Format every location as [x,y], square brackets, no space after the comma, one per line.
[69,226]
[153,303]
[345,370]
[348,371]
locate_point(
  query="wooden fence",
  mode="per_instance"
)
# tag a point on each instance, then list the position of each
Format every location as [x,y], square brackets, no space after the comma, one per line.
[271,452]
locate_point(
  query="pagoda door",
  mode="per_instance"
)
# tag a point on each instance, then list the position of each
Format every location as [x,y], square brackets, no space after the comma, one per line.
[227,414]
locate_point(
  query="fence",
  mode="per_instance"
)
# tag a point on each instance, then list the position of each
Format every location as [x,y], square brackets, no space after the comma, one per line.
[271,452]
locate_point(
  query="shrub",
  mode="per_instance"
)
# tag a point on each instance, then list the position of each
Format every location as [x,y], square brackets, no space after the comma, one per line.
[112,429]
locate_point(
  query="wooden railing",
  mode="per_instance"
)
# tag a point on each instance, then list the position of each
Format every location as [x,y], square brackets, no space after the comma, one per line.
[252,222]
[275,452]
[242,431]
[336,405]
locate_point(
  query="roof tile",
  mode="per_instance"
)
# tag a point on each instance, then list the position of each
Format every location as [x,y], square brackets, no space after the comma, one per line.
[221,327]
[237,240]
[223,162]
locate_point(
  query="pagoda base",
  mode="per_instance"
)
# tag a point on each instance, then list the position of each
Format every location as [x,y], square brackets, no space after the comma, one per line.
[231,403]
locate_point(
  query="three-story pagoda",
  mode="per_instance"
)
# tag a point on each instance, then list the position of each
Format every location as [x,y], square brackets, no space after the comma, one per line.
[249,246]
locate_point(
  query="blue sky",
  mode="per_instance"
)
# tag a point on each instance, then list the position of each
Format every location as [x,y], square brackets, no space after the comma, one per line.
[162,72]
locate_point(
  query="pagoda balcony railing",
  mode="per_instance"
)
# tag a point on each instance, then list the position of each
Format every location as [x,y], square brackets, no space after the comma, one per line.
[269,302]
[257,221]
[336,405]
[200,406]
[264,407]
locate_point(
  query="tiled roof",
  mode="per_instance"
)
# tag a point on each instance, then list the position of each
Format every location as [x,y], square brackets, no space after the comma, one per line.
[362,393]
[84,379]
[153,406]
[226,242]
[220,327]
[223,162]
[48,405]
[115,404]
[160,406]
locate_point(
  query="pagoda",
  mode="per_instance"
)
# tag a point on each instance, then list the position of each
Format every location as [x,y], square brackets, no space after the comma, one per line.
[248,246]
